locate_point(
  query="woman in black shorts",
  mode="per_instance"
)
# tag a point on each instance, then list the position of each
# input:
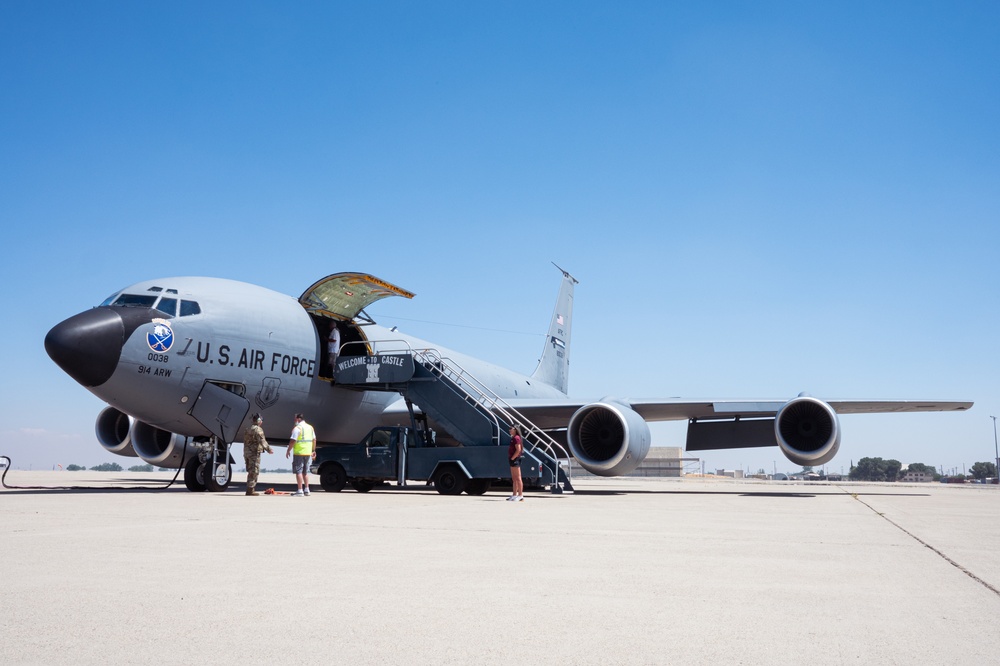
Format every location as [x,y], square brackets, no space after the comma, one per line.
[514,453]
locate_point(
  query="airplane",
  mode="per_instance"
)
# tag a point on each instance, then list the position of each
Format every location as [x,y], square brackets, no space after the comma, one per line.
[181,362]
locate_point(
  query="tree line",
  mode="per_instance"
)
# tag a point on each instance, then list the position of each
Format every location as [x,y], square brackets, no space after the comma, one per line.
[115,467]
[877,469]
[112,467]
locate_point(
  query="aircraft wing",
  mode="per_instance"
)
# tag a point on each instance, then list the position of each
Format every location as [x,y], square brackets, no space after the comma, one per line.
[667,410]
[556,413]
[609,437]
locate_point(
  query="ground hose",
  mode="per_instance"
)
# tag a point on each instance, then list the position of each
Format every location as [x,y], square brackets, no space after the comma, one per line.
[3,480]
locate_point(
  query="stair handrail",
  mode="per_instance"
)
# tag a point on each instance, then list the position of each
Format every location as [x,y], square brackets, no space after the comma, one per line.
[492,401]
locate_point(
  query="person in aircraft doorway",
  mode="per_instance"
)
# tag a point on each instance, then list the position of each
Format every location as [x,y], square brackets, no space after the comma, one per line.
[333,347]
[514,453]
[303,445]
[253,443]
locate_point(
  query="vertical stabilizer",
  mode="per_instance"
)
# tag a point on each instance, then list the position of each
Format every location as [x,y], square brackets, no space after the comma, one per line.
[553,366]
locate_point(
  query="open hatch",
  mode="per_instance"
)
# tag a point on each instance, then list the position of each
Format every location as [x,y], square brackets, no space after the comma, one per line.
[344,296]
[338,302]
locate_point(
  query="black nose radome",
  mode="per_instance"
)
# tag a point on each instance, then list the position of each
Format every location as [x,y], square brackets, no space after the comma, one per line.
[88,346]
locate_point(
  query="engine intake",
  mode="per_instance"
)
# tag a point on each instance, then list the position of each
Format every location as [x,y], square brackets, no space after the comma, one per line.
[608,438]
[112,428]
[807,431]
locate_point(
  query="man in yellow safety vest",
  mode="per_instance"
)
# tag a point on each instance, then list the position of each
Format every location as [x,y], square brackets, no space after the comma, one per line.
[303,445]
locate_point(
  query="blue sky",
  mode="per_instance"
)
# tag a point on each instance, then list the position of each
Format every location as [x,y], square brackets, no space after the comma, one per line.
[757,198]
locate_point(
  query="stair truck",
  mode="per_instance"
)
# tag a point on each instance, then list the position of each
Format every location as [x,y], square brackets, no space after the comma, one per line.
[404,455]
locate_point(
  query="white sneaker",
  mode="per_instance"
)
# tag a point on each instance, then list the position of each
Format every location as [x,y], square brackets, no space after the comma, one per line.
[519,498]
[512,498]
[306,492]
[297,493]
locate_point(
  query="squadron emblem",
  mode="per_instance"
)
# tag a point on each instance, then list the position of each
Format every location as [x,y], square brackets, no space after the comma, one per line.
[267,396]
[161,339]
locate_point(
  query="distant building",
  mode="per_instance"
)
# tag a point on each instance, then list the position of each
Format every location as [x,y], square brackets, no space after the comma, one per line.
[660,461]
[918,477]
[731,473]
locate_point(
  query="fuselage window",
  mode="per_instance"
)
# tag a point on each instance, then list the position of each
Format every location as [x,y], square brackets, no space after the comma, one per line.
[171,291]
[190,308]
[157,289]
[168,306]
[109,300]
[135,301]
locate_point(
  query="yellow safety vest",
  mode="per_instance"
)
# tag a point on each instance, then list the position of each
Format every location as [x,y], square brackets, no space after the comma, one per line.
[304,443]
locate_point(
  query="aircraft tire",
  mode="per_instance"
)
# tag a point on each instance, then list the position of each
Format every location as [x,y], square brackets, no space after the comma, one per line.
[332,478]
[449,480]
[219,480]
[194,476]
[478,486]
[362,485]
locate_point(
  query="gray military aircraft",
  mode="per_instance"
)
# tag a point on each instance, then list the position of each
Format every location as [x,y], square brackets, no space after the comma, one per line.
[181,362]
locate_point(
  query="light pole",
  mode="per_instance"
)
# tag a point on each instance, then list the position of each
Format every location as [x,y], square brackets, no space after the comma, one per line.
[995,450]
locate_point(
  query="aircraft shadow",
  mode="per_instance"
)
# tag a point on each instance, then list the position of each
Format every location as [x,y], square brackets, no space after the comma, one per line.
[743,493]
[141,485]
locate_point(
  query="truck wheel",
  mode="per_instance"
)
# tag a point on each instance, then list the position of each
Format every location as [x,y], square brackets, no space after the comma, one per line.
[362,485]
[194,476]
[478,486]
[332,477]
[449,480]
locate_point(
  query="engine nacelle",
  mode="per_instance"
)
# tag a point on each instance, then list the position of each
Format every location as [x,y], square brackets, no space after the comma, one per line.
[112,430]
[807,431]
[160,447]
[608,438]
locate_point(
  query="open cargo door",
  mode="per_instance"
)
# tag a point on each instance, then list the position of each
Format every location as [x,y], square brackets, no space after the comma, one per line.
[345,295]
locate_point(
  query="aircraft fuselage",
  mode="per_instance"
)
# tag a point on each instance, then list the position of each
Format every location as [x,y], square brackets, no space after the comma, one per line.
[256,342]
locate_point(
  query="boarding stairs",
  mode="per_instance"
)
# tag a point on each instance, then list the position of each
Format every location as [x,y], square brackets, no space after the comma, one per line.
[467,408]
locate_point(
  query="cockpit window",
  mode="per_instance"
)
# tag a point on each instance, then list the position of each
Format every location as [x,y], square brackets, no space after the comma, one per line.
[190,308]
[168,306]
[135,301]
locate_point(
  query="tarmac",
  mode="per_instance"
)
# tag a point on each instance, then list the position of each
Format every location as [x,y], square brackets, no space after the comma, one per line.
[624,571]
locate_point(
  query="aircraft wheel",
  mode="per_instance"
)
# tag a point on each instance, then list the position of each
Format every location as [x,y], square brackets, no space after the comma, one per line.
[362,485]
[332,477]
[194,476]
[449,480]
[478,486]
[217,477]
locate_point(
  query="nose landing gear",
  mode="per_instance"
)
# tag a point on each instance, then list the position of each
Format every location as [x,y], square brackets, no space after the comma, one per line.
[211,469]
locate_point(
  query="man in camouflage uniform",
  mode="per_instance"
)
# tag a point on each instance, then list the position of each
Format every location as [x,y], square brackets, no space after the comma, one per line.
[253,443]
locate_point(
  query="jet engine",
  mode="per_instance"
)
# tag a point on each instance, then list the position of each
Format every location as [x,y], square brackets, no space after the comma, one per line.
[608,438]
[807,431]
[112,429]
[160,447]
